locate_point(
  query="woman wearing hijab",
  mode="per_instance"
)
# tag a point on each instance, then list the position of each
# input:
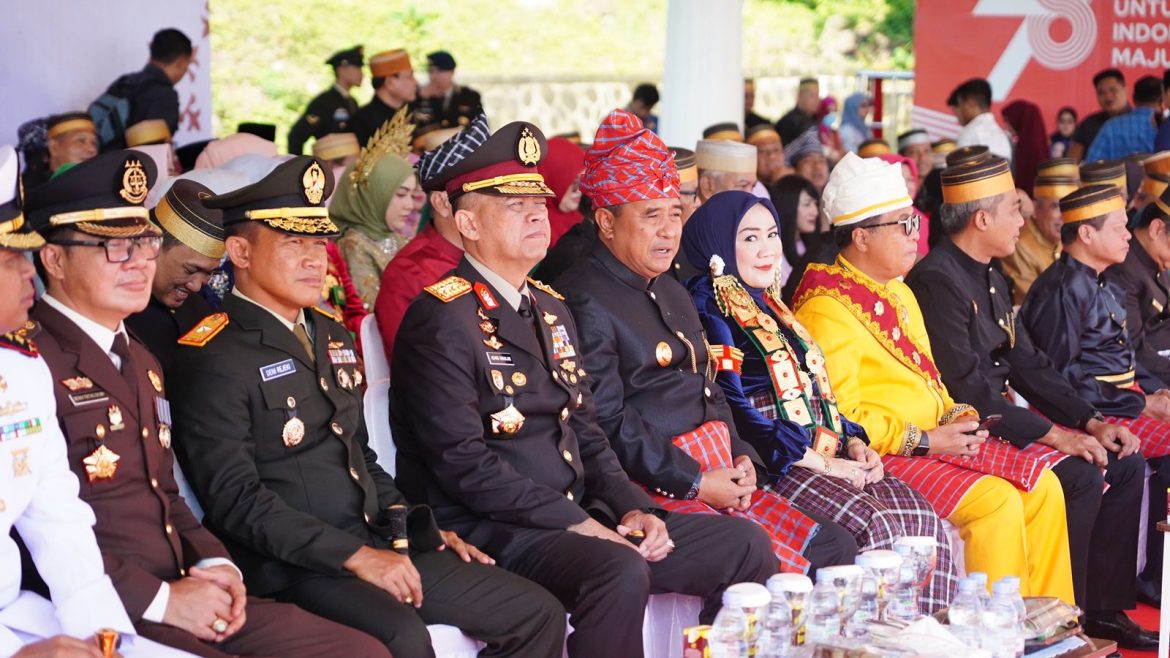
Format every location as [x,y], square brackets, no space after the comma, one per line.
[1031,144]
[372,208]
[910,174]
[780,395]
[854,130]
[826,117]
[562,170]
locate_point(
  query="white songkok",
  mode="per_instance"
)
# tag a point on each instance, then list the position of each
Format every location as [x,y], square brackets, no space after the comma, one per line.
[723,155]
[860,188]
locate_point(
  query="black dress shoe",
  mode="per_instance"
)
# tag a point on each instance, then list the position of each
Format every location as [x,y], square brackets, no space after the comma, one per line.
[1149,593]
[1122,630]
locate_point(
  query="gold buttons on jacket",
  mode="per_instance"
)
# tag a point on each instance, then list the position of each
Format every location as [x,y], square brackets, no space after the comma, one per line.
[567,455]
[292,402]
[336,428]
[353,473]
[324,384]
[169,528]
[569,495]
[145,432]
[368,519]
[707,391]
[565,413]
[153,483]
[652,295]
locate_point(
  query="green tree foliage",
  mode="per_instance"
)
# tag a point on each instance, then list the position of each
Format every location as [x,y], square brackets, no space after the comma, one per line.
[267,58]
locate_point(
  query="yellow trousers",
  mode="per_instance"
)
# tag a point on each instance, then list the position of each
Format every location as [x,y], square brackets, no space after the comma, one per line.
[1009,532]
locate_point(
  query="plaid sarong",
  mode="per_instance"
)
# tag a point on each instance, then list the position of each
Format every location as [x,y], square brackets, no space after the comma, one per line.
[945,480]
[1155,434]
[789,529]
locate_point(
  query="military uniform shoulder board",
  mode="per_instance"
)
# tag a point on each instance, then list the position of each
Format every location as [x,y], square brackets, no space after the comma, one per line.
[331,316]
[20,341]
[449,288]
[208,328]
[544,287]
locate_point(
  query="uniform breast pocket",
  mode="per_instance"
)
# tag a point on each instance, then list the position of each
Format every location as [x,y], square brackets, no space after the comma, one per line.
[283,425]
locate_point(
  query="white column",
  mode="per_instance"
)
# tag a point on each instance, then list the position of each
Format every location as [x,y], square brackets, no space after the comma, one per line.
[703,79]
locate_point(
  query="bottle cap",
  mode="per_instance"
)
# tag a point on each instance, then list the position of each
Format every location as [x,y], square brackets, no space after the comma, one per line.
[746,595]
[879,559]
[1001,588]
[848,572]
[794,583]
[968,585]
[979,577]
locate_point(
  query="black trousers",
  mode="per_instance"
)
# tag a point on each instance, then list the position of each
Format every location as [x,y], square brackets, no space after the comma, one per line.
[833,544]
[1156,511]
[513,616]
[273,629]
[605,585]
[1103,529]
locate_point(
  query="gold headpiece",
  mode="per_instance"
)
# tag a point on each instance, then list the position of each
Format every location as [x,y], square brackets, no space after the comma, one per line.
[393,138]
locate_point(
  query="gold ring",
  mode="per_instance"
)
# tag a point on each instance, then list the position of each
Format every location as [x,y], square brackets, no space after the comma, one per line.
[409,599]
[219,625]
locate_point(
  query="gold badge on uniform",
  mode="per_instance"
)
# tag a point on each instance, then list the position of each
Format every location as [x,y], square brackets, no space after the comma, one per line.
[549,318]
[528,149]
[115,415]
[133,183]
[493,342]
[101,464]
[508,420]
[314,183]
[357,377]
[519,378]
[164,436]
[77,383]
[155,380]
[343,379]
[20,467]
[663,353]
[293,433]
[498,380]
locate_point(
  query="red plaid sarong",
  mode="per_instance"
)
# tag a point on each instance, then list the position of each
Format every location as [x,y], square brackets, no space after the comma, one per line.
[1155,434]
[945,480]
[790,530]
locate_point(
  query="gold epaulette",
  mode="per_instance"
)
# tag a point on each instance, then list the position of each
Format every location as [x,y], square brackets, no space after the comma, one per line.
[20,341]
[450,288]
[544,287]
[331,316]
[208,328]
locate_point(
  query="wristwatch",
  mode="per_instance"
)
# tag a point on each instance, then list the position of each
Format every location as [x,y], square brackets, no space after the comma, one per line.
[923,447]
[693,492]
[1097,416]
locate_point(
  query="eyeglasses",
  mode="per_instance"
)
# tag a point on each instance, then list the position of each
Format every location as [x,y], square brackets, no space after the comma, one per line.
[910,224]
[120,250]
[693,194]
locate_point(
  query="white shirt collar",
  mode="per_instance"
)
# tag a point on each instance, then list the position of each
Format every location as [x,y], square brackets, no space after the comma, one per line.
[289,325]
[506,290]
[99,334]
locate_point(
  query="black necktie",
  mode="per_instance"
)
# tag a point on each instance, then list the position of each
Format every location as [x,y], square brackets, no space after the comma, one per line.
[525,310]
[122,349]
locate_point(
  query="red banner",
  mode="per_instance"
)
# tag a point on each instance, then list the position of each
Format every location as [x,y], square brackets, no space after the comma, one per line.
[1045,51]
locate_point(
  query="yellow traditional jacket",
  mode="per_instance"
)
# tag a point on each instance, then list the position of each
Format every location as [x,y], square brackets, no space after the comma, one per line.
[877,354]
[1034,253]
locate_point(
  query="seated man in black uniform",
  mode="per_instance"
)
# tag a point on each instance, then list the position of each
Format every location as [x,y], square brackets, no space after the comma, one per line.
[485,376]
[269,429]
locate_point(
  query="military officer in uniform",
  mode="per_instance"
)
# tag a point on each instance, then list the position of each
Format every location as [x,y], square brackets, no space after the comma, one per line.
[174,577]
[38,492]
[192,247]
[333,109]
[980,345]
[652,383]
[270,430]
[486,374]
[443,102]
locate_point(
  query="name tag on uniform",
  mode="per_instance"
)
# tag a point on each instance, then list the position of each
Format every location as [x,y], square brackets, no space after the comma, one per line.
[278,370]
[79,399]
[500,358]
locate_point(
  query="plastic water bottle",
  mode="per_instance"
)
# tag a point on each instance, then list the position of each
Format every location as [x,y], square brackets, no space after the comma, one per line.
[1013,582]
[966,614]
[903,605]
[867,609]
[778,632]
[823,621]
[736,628]
[980,579]
[1002,632]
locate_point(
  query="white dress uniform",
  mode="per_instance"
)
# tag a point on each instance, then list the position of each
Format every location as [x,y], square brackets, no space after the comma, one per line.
[39,497]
